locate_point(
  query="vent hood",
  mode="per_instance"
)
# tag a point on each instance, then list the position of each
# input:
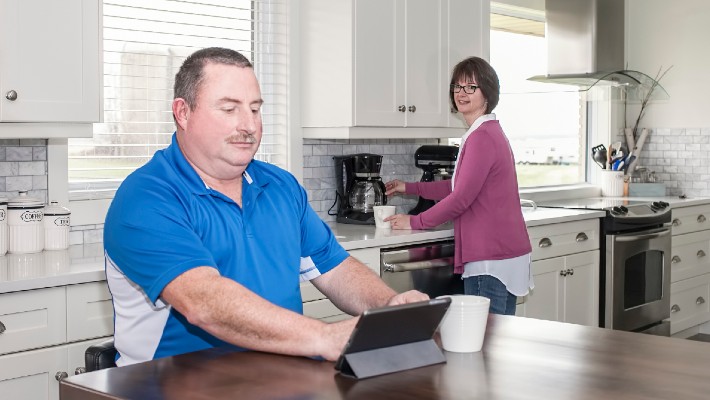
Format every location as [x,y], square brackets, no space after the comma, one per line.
[585,46]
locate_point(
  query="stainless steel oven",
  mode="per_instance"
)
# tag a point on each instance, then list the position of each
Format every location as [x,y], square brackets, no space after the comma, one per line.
[635,246]
[638,281]
[427,267]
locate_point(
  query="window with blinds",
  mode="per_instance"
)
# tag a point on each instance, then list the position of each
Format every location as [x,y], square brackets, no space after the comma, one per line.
[144,44]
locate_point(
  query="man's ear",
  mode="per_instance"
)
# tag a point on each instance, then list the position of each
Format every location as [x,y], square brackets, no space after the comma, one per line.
[181,111]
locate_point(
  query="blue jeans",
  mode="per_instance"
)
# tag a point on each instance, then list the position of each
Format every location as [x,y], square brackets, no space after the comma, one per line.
[502,301]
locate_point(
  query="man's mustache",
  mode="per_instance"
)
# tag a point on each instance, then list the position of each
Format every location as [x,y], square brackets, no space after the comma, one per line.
[246,138]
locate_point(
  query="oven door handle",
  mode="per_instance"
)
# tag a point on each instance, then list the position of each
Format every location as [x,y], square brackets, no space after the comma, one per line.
[416,265]
[647,236]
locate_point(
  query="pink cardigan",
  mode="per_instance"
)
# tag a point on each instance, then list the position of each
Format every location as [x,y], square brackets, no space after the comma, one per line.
[485,207]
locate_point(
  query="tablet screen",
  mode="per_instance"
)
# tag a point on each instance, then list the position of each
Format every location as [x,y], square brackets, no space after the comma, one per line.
[395,325]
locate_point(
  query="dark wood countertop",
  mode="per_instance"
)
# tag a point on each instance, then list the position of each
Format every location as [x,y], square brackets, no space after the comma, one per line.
[522,358]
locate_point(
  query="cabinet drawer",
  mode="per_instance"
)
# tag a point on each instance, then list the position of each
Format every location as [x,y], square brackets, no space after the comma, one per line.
[89,311]
[320,309]
[690,302]
[309,292]
[369,257]
[32,319]
[691,219]
[564,238]
[690,255]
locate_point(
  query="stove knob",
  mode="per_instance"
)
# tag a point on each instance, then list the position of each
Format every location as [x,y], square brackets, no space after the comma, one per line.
[624,210]
[617,210]
[663,204]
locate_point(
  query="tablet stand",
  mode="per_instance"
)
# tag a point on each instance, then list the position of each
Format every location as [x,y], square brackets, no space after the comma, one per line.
[385,360]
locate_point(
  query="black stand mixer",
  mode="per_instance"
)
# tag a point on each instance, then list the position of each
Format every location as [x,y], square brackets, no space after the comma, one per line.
[359,188]
[438,163]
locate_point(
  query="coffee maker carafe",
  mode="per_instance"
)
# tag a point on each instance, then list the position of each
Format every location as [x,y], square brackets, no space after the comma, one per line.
[359,188]
[438,163]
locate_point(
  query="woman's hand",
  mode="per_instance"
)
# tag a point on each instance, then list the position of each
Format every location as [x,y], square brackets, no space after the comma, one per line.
[394,187]
[399,221]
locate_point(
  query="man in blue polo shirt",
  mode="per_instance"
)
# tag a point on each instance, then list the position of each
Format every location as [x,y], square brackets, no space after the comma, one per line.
[206,247]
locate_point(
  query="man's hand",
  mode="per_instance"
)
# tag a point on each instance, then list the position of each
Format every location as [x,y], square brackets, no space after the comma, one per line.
[410,296]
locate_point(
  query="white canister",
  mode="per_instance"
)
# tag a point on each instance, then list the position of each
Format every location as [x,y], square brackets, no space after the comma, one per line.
[24,221]
[3,226]
[56,227]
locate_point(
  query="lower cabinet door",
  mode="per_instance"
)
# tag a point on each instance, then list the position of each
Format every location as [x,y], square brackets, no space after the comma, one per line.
[30,375]
[543,302]
[581,289]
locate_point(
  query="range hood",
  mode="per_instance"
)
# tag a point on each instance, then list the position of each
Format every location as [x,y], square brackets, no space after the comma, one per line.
[585,47]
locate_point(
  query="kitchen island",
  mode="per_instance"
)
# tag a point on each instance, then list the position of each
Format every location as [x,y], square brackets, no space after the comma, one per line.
[522,358]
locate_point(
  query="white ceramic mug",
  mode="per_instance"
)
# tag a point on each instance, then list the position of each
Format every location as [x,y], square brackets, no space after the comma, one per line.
[464,325]
[382,212]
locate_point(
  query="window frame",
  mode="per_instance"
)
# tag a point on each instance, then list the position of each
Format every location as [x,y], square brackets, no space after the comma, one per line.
[93,212]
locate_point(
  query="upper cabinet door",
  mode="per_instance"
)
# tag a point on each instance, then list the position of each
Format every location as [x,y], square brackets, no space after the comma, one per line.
[50,67]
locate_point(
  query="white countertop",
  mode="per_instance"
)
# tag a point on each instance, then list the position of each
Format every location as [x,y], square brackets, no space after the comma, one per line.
[85,263]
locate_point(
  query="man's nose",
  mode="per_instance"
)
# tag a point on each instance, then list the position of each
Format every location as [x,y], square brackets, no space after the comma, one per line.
[247,122]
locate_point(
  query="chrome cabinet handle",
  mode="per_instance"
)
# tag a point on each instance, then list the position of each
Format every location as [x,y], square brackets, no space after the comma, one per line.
[563,272]
[581,237]
[699,301]
[570,271]
[675,308]
[402,108]
[676,222]
[59,376]
[412,109]
[701,218]
[79,370]
[2,327]
[701,253]
[675,260]
[544,242]
[11,95]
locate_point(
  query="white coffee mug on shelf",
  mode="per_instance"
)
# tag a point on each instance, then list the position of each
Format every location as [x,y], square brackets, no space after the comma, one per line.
[382,212]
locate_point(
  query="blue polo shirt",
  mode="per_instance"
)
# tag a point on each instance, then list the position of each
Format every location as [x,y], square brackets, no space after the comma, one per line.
[164,220]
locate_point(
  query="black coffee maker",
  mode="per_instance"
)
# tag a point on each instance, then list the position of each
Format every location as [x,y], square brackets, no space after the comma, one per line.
[359,188]
[438,163]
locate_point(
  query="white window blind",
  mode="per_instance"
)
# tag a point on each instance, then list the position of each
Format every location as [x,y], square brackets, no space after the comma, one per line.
[144,44]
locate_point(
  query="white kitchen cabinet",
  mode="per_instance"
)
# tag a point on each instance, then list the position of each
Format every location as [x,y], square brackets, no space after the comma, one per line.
[34,375]
[44,332]
[50,67]
[690,267]
[385,63]
[566,289]
[565,270]
[316,305]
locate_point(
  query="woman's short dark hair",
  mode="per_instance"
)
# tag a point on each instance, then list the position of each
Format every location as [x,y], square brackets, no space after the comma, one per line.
[191,73]
[485,77]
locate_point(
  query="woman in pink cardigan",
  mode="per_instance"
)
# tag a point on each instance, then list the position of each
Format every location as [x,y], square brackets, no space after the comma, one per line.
[492,245]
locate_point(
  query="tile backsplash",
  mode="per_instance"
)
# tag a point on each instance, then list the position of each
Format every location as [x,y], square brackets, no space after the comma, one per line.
[680,158]
[319,168]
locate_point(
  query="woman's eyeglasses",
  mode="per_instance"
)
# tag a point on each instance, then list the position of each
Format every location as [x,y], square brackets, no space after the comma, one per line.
[468,89]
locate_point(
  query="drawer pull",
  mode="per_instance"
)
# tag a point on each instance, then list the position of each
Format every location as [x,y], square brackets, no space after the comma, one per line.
[581,237]
[675,260]
[676,222]
[2,327]
[59,376]
[701,218]
[700,301]
[544,242]
[701,253]
[675,308]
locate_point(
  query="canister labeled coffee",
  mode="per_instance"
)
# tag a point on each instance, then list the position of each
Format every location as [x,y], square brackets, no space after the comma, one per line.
[56,227]
[3,226]
[24,220]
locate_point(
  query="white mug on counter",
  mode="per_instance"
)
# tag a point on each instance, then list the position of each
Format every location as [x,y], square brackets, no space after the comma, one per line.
[464,325]
[24,219]
[382,212]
